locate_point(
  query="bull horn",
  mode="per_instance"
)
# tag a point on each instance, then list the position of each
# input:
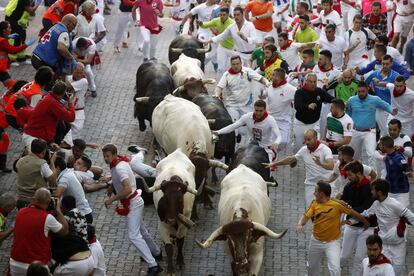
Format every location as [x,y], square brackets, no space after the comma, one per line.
[217,164]
[267,231]
[177,90]
[188,223]
[271,184]
[176,50]
[150,189]
[142,99]
[204,50]
[211,239]
[192,190]
[209,81]
[211,121]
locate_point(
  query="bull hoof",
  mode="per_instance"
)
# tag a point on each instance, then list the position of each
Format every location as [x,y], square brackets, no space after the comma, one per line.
[142,128]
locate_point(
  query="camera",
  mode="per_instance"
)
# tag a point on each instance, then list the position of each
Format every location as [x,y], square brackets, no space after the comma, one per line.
[53,203]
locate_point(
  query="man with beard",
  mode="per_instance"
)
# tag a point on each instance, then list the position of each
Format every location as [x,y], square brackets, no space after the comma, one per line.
[362,109]
[376,264]
[357,193]
[272,61]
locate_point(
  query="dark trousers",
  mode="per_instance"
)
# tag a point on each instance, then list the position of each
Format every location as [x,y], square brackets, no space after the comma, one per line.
[89,218]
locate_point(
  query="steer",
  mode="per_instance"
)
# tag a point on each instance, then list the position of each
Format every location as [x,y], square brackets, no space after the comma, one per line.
[153,82]
[218,117]
[178,123]
[188,45]
[188,77]
[174,193]
[244,210]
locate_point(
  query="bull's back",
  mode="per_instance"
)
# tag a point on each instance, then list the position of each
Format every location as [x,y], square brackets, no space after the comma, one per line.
[252,156]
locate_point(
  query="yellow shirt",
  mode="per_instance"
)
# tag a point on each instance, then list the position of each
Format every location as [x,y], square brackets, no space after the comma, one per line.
[326,219]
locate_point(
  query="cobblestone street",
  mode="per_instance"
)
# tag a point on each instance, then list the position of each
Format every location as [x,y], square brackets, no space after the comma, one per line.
[109,119]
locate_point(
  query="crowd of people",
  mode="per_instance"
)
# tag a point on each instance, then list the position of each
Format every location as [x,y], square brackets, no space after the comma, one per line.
[323,81]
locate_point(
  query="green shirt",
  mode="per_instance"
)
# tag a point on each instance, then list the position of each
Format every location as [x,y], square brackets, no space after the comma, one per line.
[216,23]
[308,35]
[344,92]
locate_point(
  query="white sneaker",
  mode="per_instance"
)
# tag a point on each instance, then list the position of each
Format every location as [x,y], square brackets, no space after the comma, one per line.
[27,61]
[15,64]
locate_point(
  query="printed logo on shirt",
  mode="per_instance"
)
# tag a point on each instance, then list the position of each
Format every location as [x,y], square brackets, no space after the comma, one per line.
[257,134]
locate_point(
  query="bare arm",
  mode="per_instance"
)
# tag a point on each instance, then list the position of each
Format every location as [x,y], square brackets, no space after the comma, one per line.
[285,161]
[126,191]
[218,91]
[359,217]
[63,51]
[300,227]
[61,218]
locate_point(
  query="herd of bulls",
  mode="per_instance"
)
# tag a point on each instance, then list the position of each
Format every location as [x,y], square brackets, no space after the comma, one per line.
[182,115]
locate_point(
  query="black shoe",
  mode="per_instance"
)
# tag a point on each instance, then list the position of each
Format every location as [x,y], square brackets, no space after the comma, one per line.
[136,149]
[157,258]
[238,138]
[155,270]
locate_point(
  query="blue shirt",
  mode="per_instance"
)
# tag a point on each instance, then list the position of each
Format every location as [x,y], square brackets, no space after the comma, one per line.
[376,65]
[382,92]
[363,111]
[396,165]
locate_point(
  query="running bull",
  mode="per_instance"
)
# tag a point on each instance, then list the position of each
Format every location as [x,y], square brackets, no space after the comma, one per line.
[153,82]
[174,192]
[188,77]
[244,210]
[188,45]
[178,123]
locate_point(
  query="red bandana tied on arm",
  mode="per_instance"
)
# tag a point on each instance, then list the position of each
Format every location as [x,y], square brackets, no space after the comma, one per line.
[258,120]
[118,159]
[282,82]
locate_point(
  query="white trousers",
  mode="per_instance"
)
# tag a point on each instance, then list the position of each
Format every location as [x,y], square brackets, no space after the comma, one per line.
[403,198]
[355,238]
[149,42]
[326,108]
[364,140]
[138,233]
[331,250]
[309,197]
[27,141]
[90,76]
[285,128]
[348,14]
[235,113]
[299,129]
[123,19]
[18,268]
[408,128]
[381,118]
[261,35]
[137,165]
[223,60]
[77,125]
[75,268]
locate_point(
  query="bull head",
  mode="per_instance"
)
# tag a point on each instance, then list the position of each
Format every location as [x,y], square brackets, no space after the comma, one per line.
[199,51]
[240,233]
[192,87]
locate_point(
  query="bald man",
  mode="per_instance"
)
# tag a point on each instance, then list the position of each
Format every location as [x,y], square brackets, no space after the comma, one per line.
[318,161]
[55,45]
[345,86]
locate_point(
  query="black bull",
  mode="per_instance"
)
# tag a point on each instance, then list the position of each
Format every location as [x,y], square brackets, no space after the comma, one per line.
[188,45]
[153,83]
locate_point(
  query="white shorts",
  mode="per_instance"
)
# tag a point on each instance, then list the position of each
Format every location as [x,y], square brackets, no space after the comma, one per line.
[82,267]
[403,24]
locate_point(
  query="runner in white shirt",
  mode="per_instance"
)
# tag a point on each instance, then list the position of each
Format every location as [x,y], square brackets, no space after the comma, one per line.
[80,85]
[318,161]
[383,40]
[290,51]
[180,8]
[204,12]
[329,16]
[391,216]
[243,33]
[235,88]
[84,50]
[97,252]
[338,176]
[403,22]
[348,12]
[357,39]
[376,264]
[280,14]
[279,97]
[86,20]
[262,128]
[334,44]
[100,32]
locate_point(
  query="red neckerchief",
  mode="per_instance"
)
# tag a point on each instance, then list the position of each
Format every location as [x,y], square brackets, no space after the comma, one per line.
[364,181]
[400,94]
[92,239]
[306,88]
[232,72]
[267,63]
[118,159]
[87,17]
[374,19]
[307,66]
[342,172]
[282,82]
[314,148]
[380,260]
[287,45]
[323,69]
[258,120]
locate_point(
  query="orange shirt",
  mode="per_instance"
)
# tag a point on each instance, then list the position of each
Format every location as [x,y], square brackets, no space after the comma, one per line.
[26,92]
[257,8]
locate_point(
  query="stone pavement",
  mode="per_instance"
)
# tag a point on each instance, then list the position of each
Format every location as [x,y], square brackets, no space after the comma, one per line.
[110,120]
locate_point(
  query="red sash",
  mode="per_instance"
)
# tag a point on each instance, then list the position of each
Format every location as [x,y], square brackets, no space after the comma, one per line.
[124,211]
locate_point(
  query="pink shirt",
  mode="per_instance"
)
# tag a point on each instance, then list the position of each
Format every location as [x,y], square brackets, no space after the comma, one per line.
[148,16]
[366,6]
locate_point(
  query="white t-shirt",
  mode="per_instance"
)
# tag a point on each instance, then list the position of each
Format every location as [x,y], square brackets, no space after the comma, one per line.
[314,172]
[84,177]
[100,27]
[265,132]
[326,75]
[280,101]
[336,47]
[85,28]
[338,128]
[341,181]
[237,88]
[404,104]
[332,17]
[45,171]
[98,258]
[121,172]
[88,51]
[80,87]
[204,13]
[182,9]
[64,38]
[291,55]
[377,270]
[240,45]
[360,50]
[404,7]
